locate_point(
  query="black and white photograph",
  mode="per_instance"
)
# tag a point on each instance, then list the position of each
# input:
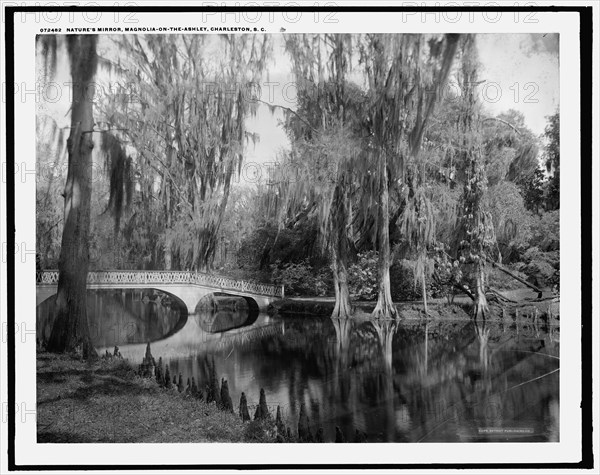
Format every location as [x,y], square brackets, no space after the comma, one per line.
[250,231]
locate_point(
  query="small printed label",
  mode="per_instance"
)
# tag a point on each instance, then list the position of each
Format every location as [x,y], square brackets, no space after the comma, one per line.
[505,430]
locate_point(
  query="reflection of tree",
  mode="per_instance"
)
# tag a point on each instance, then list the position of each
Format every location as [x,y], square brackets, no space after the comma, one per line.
[483,337]
[425,364]
[491,340]
[438,381]
[119,317]
[340,385]
[478,376]
[385,332]
[224,319]
[343,329]
[386,329]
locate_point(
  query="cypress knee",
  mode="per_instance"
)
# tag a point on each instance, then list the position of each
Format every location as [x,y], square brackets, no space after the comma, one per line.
[303,429]
[148,355]
[158,372]
[244,414]
[226,403]
[148,363]
[262,411]
[279,421]
[360,436]
[167,378]
[213,387]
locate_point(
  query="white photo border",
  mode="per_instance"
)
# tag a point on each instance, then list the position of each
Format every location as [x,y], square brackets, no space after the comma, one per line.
[27,452]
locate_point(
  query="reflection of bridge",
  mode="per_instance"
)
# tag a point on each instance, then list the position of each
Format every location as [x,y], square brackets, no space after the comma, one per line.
[189,287]
[193,340]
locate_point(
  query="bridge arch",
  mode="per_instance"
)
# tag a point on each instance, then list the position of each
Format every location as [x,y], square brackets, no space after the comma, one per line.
[253,305]
[189,287]
[43,295]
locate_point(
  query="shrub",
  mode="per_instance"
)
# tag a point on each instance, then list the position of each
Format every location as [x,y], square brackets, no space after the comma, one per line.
[545,231]
[362,276]
[542,268]
[402,281]
[502,281]
[448,272]
[299,278]
[363,279]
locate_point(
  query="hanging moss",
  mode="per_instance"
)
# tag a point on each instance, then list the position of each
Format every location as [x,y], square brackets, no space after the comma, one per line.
[118,166]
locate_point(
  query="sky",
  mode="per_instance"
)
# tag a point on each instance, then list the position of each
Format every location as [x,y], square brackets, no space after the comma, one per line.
[525,68]
[521,72]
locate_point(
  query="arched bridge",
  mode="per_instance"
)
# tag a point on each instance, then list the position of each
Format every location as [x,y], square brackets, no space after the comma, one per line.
[189,287]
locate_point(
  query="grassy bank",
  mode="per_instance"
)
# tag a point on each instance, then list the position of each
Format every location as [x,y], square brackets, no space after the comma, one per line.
[105,401]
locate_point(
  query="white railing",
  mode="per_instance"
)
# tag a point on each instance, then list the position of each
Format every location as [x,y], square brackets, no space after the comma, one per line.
[124,277]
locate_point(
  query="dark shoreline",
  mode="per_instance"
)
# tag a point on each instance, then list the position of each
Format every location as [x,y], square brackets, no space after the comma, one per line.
[545,310]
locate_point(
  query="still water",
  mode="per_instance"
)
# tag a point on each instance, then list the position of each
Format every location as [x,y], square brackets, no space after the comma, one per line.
[407,382]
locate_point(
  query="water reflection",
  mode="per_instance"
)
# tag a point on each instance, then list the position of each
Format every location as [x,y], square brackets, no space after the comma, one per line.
[118,317]
[131,316]
[428,382]
[227,313]
[404,382]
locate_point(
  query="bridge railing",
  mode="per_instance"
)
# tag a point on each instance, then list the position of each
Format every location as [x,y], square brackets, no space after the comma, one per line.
[135,277]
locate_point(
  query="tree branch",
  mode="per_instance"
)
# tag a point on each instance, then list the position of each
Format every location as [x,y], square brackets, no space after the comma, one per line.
[516,277]
[503,122]
[289,110]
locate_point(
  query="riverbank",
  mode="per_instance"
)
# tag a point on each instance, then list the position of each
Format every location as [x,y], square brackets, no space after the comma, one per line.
[518,306]
[105,401]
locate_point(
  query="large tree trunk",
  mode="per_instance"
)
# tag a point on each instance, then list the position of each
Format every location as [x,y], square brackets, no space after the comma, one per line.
[385,307]
[70,332]
[480,306]
[343,306]
[339,258]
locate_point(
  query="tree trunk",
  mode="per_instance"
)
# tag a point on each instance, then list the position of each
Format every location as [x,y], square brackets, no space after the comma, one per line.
[424,290]
[385,307]
[168,252]
[339,255]
[70,332]
[343,306]
[166,178]
[480,306]
[516,277]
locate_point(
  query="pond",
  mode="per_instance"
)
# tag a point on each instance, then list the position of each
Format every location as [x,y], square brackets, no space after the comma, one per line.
[413,381]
